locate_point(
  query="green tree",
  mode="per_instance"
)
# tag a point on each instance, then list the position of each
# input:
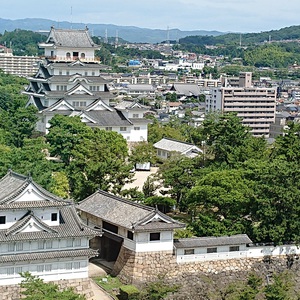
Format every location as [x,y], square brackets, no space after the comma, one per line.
[178,176]
[99,161]
[229,141]
[34,288]
[221,202]
[143,152]
[287,145]
[65,134]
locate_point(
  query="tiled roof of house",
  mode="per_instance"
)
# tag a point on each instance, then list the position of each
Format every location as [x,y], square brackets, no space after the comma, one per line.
[126,213]
[73,38]
[47,255]
[168,144]
[186,89]
[239,239]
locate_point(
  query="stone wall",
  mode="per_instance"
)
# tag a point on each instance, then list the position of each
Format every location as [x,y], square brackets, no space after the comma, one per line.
[80,286]
[193,277]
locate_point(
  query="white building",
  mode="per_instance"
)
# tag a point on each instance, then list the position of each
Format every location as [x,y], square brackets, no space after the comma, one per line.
[125,223]
[255,105]
[68,82]
[40,233]
[166,146]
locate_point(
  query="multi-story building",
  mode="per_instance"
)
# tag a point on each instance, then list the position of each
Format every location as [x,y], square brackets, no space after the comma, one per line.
[68,82]
[255,105]
[40,233]
[17,65]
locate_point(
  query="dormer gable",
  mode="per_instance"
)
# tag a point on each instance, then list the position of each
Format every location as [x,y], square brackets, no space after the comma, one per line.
[77,62]
[157,217]
[61,105]
[29,223]
[16,189]
[98,105]
[79,90]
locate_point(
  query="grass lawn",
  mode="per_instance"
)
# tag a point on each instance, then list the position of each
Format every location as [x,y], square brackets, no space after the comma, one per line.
[109,284]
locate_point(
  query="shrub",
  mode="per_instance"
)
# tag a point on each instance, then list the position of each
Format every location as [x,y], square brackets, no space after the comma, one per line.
[129,292]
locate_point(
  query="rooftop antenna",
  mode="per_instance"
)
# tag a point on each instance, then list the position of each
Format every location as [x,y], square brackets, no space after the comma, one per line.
[117,39]
[106,38]
[168,36]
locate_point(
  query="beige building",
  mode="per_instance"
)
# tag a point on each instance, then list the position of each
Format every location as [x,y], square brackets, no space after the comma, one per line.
[255,105]
[18,65]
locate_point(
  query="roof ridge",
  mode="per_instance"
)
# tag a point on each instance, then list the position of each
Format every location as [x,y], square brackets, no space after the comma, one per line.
[151,209]
[174,140]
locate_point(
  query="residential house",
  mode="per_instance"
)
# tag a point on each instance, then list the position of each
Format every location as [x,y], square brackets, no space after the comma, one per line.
[166,146]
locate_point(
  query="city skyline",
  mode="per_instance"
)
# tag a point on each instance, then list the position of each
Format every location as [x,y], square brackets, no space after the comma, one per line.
[224,16]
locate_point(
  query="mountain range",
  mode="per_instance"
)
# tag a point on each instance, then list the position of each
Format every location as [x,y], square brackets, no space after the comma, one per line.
[128,33]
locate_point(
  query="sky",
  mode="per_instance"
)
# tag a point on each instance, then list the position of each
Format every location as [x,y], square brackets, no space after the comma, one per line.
[221,15]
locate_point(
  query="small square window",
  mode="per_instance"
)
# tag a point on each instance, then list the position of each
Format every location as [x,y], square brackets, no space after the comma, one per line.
[2,219]
[130,235]
[189,251]
[108,128]
[212,250]
[123,128]
[234,248]
[137,128]
[155,236]
[54,217]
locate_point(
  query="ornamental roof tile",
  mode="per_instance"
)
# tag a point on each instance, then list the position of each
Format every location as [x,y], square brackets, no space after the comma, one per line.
[239,239]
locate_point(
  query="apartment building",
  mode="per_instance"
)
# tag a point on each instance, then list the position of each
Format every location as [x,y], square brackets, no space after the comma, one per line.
[255,105]
[17,65]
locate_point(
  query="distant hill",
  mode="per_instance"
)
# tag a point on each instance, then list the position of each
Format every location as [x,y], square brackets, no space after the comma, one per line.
[129,33]
[291,33]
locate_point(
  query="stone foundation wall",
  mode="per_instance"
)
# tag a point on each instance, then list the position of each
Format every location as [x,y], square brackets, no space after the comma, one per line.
[140,268]
[80,286]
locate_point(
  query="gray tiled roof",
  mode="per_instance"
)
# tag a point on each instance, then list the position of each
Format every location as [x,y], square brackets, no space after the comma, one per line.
[125,213]
[73,38]
[173,145]
[47,255]
[13,184]
[239,239]
[125,104]
[108,118]
[72,65]
[70,226]
[141,87]
[186,89]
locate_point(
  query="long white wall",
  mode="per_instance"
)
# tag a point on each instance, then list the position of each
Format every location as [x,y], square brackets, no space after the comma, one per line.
[245,252]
